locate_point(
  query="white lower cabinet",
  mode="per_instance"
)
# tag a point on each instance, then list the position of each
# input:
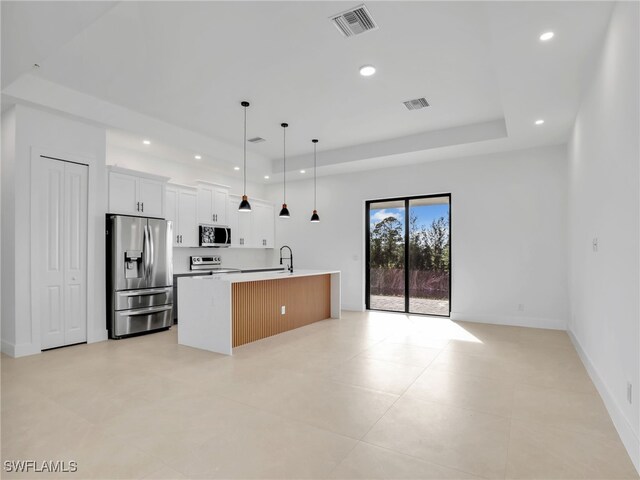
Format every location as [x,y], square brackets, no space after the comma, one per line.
[182,210]
[253,229]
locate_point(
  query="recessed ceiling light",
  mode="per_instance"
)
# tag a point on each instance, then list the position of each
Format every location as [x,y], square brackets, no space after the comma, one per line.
[539,122]
[146,142]
[198,157]
[266,177]
[303,171]
[236,168]
[546,36]
[367,70]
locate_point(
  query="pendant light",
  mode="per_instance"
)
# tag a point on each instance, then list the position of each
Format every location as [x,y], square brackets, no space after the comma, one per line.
[284,213]
[245,206]
[315,218]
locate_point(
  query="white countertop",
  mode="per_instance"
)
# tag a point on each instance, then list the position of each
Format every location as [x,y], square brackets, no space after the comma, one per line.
[259,276]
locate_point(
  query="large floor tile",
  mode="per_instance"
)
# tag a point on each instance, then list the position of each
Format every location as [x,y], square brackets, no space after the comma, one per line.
[483,394]
[539,451]
[376,374]
[578,412]
[402,353]
[457,438]
[370,462]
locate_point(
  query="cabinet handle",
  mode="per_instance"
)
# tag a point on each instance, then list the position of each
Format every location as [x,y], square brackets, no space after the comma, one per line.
[138,207]
[177,238]
[180,238]
[142,206]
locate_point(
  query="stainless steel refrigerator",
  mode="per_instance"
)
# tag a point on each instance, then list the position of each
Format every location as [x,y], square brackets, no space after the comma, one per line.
[139,275]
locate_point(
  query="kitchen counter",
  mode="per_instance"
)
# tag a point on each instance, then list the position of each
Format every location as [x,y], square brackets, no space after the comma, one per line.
[204,273]
[221,312]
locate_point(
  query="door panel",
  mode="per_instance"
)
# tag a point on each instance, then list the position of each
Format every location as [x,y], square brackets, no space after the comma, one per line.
[171,213]
[205,205]
[129,235]
[387,256]
[123,194]
[151,197]
[187,213]
[75,260]
[220,203]
[161,270]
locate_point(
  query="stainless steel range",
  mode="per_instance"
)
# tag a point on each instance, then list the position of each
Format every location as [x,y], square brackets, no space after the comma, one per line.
[210,265]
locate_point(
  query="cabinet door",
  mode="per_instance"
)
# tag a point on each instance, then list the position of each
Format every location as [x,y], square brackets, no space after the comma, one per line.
[205,205]
[232,219]
[123,194]
[187,214]
[220,200]
[264,225]
[151,197]
[245,229]
[171,213]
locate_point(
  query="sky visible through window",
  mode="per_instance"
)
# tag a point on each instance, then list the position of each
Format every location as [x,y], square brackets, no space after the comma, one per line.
[425,213]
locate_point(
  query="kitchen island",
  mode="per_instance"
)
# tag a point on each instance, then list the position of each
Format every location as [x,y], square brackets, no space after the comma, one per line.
[221,312]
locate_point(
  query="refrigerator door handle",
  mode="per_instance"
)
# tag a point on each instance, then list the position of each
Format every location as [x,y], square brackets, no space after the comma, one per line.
[145,255]
[151,255]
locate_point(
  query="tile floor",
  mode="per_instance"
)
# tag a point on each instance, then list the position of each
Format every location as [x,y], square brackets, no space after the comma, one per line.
[374,395]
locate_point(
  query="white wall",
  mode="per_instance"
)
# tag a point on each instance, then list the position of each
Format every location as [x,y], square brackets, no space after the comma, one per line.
[508,231]
[60,137]
[605,203]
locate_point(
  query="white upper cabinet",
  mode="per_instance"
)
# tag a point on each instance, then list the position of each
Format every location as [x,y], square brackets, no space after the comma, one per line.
[136,193]
[181,207]
[264,224]
[212,203]
[255,229]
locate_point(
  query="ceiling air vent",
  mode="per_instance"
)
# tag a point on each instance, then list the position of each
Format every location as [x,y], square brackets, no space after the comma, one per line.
[256,140]
[416,104]
[354,21]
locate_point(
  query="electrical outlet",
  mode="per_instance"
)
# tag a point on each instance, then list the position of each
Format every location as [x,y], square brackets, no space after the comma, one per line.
[629,392]
[595,244]
[283,310]
[521,307]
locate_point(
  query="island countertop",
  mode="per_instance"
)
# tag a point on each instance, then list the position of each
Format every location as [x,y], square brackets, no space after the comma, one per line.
[265,275]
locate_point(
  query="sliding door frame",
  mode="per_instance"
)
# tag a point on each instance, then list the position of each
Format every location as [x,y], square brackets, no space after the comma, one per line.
[407,201]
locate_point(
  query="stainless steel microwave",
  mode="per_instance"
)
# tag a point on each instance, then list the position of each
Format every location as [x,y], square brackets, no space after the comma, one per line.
[211,236]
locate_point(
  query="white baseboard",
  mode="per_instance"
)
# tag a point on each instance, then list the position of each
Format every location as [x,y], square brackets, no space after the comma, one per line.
[7,348]
[21,350]
[515,320]
[624,428]
[352,307]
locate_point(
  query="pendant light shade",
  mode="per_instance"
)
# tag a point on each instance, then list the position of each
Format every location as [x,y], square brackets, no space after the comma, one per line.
[245,206]
[315,218]
[284,213]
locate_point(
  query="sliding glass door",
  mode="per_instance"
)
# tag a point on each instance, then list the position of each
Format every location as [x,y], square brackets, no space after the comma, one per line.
[408,255]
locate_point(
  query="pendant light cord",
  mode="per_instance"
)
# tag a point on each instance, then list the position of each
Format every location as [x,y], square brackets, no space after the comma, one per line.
[284,158]
[315,190]
[245,153]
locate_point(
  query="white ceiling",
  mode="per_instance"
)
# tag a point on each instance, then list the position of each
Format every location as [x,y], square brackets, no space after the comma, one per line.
[479,64]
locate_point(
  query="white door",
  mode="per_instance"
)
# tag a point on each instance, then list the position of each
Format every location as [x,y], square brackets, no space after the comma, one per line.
[187,215]
[59,246]
[123,194]
[151,196]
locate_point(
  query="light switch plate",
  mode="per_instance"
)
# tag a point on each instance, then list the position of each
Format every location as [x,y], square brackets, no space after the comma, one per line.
[283,310]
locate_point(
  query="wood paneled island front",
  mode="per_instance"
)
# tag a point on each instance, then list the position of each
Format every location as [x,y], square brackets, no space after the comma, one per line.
[220,312]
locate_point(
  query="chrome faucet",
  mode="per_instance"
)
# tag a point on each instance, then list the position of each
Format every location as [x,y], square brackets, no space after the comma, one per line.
[290,268]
